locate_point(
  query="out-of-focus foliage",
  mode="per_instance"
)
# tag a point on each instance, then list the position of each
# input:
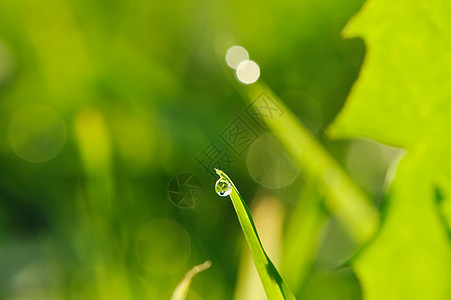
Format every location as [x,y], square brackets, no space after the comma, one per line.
[402,97]
[103,103]
[344,198]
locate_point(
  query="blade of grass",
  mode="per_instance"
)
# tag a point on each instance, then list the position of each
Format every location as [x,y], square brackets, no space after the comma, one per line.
[302,235]
[343,197]
[182,288]
[268,213]
[275,287]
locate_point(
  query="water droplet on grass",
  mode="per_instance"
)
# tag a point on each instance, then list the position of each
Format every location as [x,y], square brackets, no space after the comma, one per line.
[223,188]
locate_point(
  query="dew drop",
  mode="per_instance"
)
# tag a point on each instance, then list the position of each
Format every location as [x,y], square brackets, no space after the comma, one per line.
[223,187]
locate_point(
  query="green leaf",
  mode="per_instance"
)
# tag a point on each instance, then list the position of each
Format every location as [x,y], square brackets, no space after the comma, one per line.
[403,98]
[274,285]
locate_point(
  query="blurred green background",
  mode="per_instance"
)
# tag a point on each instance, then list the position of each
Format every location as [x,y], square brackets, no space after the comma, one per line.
[103,102]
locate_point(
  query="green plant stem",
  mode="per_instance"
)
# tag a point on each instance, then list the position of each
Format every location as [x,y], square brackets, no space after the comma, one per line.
[343,197]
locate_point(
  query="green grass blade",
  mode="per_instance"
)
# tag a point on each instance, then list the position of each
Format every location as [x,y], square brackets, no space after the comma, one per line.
[343,198]
[182,288]
[302,235]
[275,287]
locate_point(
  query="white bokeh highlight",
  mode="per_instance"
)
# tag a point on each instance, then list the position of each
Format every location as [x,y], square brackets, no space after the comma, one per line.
[236,55]
[248,72]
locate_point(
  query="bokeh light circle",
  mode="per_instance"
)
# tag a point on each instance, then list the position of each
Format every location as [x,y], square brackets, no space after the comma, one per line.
[37,133]
[235,55]
[269,164]
[163,246]
[248,72]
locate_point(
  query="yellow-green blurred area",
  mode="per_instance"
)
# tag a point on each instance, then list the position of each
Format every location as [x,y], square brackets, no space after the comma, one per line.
[103,102]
